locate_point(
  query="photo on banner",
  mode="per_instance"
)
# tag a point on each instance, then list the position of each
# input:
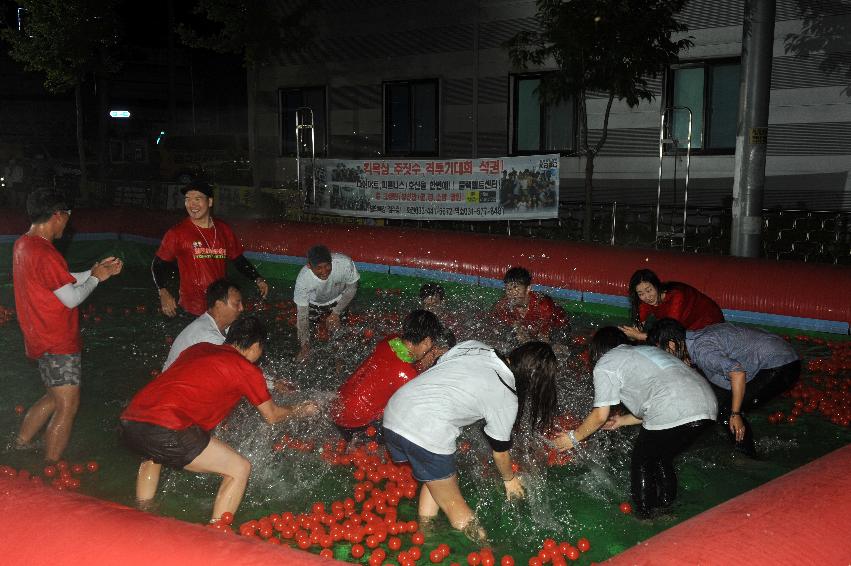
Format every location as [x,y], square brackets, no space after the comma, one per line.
[504,188]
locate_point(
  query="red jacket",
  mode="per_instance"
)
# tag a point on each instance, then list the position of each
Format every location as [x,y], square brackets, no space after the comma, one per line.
[362,398]
[685,304]
[542,315]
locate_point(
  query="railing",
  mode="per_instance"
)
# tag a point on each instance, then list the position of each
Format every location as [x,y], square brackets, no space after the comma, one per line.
[822,236]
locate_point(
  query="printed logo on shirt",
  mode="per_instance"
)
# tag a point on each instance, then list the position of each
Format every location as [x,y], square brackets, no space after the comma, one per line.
[200,250]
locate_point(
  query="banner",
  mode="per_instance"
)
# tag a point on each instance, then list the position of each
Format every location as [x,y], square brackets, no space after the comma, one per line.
[505,188]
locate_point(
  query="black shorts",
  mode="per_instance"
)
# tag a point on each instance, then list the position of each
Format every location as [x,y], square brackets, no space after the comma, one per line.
[172,448]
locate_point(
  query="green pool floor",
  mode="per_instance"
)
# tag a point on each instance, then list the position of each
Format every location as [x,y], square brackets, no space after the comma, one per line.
[122,346]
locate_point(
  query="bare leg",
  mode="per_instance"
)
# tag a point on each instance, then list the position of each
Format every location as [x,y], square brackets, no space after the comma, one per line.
[447,495]
[428,508]
[66,399]
[146,483]
[35,419]
[221,459]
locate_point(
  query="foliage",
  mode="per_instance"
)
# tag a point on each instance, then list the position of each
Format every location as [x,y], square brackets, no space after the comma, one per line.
[65,39]
[825,33]
[607,46]
[256,29]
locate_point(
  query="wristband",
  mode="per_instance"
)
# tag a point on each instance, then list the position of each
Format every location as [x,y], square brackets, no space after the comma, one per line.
[509,479]
[736,414]
[572,436]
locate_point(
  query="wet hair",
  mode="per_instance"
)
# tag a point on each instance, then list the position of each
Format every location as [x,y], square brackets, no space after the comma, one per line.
[419,325]
[518,275]
[43,203]
[605,339]
[318,254]
[219,290]
[444,340]
[245,332]
[642,276]
[432,290]
[535,368]
[669,330]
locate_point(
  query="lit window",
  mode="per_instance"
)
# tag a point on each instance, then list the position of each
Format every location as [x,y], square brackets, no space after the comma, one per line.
[539,127]
[710,89]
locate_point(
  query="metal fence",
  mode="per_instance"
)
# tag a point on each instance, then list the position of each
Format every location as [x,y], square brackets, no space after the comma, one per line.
[822,236]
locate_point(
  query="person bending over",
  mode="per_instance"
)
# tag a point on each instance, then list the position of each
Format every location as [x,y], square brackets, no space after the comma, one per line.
[201,247]
[224,305]
[653,300]
[169,421]
[671,402]
[471,382]
[362,397]
[531,316]
[46,298]
[323,290]
[746,367]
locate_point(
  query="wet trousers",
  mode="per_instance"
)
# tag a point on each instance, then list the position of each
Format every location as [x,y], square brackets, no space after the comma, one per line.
[653,479]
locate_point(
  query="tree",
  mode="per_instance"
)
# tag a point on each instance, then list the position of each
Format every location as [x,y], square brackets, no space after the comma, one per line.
[258,30]
[66,40]
[825,34]
[608,46]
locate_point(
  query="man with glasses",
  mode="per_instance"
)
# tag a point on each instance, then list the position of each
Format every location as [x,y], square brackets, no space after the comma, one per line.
[46,298]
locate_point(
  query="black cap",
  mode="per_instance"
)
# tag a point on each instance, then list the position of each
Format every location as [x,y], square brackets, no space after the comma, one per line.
[199,186]
[318,254]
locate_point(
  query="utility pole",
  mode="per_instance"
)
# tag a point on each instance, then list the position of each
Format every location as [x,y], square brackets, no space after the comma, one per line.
[752,134]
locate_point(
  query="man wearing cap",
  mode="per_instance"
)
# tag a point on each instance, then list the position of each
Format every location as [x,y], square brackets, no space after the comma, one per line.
[201,247]
[323,290]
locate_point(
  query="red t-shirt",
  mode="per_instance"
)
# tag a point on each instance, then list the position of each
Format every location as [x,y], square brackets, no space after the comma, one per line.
[685,304]
[200,388]
[362,398]
[202,255]
[48,326]
[542,314]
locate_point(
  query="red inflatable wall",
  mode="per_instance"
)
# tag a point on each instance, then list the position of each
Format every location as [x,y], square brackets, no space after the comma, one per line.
[41,526]
[788,288]
[803,517]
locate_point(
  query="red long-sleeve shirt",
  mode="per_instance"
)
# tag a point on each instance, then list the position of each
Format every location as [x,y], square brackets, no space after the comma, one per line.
[685,304]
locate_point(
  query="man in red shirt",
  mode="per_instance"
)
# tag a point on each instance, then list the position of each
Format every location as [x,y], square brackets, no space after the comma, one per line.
[46,298]
[201,248]
[532,316]
[170,419]
[361,399]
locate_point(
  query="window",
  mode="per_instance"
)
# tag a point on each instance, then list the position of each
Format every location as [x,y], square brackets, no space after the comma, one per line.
[411,123]
[540,127]
[291,99]
[710,89]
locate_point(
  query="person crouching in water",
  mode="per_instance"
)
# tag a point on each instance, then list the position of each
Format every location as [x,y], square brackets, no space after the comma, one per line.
[672,403]
[361,398]
[746,367]
[170,419]
[471,382]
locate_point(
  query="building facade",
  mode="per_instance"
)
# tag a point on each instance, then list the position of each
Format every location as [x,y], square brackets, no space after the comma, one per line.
[414,78]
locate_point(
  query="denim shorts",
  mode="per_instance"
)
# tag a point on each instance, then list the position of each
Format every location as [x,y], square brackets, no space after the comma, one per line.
[59,369]
[427,466]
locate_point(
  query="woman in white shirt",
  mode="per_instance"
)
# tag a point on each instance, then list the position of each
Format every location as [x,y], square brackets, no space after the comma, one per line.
[471,382]
[672,403]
